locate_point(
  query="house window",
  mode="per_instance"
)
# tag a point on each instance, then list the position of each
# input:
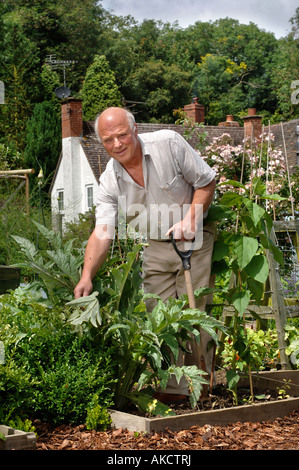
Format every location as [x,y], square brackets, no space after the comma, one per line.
[60,198]
[89,196]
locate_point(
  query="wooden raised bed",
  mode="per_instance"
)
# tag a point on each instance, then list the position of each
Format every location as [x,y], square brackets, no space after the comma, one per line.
[16,440]
[255,413]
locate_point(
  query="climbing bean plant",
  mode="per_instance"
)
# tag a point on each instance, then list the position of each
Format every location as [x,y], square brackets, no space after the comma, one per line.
[241,249]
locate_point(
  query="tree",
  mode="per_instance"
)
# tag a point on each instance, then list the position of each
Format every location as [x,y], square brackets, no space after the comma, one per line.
[157,89]
[285,71]
[19,72]
[217,85]
[43,140]
[295,24]
[82,24]
[285,74]
[50,81]
[69,29]
[99,89]
[235,73]
[81,31]
[118,44]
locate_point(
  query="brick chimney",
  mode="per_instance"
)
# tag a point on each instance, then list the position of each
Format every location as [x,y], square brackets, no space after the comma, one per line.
[71,118]
[195,111]
[229,122]
[252,125]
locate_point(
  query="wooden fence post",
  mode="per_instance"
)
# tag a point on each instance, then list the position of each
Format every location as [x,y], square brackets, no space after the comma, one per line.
[26,172]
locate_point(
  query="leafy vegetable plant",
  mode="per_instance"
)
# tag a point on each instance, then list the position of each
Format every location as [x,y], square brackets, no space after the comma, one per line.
[292,334]
[146,344]
[57,269]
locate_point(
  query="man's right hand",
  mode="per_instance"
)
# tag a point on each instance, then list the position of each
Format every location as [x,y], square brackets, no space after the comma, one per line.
[95,254]
[83,288]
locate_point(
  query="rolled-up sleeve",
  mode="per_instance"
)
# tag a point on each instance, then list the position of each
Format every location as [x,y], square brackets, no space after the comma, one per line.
[194,169]
[106,202]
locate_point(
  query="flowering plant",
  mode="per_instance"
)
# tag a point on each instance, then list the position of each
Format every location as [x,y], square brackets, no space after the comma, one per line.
[244,163]
[225,159]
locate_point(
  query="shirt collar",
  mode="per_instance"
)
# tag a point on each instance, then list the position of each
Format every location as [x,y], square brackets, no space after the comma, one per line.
[122,173]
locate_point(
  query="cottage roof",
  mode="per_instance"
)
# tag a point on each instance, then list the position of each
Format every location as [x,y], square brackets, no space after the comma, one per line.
[93,149]
[98,157]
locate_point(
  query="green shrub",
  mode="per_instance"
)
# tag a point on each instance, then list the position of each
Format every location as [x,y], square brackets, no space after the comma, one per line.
[49,372]
[25,425]
[66,387]
[15,386]
[98,417]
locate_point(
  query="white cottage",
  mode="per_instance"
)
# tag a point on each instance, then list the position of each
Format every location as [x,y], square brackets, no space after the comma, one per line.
[78,170]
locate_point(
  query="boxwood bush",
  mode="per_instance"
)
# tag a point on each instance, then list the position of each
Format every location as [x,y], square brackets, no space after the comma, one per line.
[48,372]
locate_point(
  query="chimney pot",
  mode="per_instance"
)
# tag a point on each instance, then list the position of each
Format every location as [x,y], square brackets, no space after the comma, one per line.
[251,111]
[252,125]
[229,122]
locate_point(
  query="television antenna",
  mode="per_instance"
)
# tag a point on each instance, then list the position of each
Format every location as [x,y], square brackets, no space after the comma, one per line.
[61,92]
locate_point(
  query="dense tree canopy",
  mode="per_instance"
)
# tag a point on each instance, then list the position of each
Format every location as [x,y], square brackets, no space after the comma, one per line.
[156,67]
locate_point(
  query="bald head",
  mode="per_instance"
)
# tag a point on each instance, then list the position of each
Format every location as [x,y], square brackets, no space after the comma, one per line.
[116,129]
[114,116]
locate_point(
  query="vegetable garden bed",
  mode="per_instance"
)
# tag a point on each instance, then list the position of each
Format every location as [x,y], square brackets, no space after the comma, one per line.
[278,434]
[256,412]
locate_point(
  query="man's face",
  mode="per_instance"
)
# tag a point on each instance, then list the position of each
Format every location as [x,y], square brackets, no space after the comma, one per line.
[117,136]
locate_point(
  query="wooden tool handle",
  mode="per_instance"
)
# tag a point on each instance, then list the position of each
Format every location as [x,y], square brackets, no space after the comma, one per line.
[189,287]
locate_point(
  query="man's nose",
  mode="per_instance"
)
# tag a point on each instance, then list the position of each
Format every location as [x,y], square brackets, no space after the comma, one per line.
[117,142]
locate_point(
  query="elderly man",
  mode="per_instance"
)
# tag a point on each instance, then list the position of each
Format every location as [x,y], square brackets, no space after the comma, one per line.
[150,173]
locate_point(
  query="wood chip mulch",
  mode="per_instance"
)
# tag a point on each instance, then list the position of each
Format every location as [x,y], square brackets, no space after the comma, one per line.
[280,434]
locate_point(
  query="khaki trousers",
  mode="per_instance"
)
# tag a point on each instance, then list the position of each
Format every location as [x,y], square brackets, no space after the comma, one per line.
[164,276]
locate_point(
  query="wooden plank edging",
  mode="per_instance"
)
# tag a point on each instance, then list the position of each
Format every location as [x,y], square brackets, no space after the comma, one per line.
[254,413]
